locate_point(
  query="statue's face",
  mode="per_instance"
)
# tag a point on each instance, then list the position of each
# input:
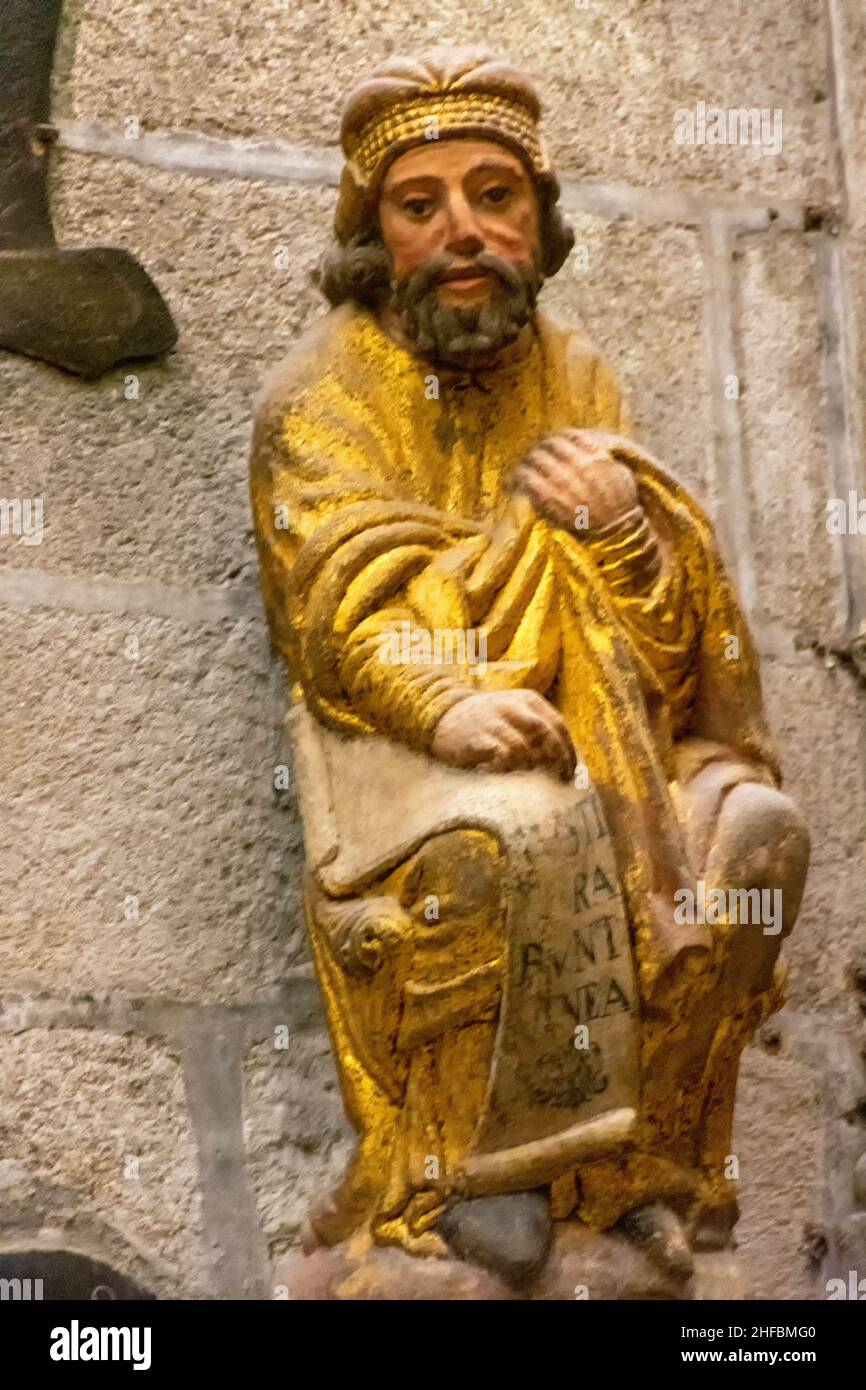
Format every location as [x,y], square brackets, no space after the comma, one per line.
[456,199]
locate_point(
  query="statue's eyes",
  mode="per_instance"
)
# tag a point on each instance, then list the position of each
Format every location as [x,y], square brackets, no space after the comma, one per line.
[418,207]
[498,194]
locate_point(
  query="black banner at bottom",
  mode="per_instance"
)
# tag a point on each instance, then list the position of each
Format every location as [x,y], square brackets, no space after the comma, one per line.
[160,1339]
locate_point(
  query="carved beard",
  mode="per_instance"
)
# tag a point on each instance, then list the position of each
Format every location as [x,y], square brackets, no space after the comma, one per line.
[457,334]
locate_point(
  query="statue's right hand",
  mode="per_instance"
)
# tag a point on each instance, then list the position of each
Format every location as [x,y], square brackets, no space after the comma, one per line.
[501,730]
[573,471]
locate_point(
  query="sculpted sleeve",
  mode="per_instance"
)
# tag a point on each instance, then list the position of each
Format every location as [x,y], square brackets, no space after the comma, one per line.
[339,548]
[686,627]
[725,703]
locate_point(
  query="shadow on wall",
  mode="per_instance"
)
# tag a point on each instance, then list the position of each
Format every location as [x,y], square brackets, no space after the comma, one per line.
[64,1276]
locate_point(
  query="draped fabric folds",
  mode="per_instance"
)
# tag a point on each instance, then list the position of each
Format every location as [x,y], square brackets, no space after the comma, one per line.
[381,504]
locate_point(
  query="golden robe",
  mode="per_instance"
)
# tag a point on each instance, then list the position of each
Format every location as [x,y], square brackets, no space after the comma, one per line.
[380,498]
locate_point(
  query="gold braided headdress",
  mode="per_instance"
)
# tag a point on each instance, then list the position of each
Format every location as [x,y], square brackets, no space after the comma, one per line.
[439,94]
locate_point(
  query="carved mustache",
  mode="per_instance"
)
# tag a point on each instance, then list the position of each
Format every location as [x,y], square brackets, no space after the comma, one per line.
[425,277]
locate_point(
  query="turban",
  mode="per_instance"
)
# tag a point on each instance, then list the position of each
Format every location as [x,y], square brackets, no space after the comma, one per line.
[442,93]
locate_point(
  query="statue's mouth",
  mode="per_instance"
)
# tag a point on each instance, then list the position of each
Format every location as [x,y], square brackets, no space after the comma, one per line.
[465,275]
[466,278]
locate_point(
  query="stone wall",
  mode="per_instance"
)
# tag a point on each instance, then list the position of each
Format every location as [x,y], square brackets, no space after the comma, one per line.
[167,1099]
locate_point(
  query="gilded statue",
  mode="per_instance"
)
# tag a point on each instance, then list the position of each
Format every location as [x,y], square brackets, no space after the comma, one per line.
[549,865]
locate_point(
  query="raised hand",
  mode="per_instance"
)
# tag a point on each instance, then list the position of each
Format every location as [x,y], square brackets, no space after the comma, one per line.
[573,481]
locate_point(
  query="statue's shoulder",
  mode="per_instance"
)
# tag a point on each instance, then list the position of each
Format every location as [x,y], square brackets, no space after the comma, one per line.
[324,349]
[597,403]
[586,378]
[569,347]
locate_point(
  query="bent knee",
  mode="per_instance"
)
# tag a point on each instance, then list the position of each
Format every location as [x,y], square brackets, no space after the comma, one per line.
[762,837]
[757,814]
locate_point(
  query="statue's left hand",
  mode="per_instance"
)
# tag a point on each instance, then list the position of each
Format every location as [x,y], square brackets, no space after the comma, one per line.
[574,470]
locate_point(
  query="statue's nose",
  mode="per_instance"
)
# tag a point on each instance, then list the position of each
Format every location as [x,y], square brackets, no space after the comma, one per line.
[464,238]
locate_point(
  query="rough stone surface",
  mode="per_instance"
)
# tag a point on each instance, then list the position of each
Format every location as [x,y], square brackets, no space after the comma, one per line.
[147,778]
[84,310]
[143,474]
[816,715]
[583,1266]
[784,434]
[296,1134]
[82,1112]
[852,153]
[153,776]
[614,74]
[613,271]
[852,35]
[778,1141]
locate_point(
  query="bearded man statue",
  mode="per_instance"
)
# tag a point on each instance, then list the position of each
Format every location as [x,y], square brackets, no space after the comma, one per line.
[541,808]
